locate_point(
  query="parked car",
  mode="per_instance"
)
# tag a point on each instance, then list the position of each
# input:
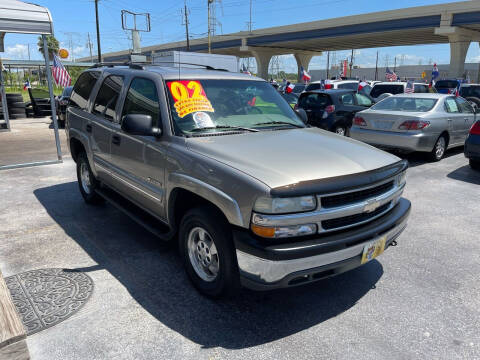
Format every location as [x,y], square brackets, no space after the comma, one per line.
[472,146]
[340,84]
[291,98]
[394,88]
[220,163]
[447,86]
[471,92]
[61,103]
[416,122]
[298,88]
[332,110]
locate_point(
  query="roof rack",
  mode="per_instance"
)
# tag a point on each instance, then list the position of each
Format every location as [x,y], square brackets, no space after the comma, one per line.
[140,66]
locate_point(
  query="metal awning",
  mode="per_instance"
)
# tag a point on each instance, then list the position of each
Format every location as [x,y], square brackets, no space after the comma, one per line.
[26,18]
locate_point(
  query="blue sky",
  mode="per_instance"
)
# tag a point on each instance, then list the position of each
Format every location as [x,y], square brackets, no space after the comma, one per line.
[73,19]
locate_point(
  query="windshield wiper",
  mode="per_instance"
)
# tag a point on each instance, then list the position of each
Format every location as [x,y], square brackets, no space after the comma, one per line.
[228,127]
[279,123]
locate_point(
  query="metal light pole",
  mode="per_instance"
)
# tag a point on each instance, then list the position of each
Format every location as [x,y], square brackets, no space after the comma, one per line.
[99,50]
[209,28]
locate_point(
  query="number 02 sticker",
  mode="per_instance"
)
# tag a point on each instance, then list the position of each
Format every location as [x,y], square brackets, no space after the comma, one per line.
[189,97]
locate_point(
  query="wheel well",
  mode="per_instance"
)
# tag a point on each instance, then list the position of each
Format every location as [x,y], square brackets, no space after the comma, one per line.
[76,147]
[447,137]
[182,200]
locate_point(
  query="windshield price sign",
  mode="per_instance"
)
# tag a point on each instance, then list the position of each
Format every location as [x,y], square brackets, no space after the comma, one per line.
[189,97]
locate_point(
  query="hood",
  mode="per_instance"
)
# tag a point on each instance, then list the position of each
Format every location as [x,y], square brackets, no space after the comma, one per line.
[284,157]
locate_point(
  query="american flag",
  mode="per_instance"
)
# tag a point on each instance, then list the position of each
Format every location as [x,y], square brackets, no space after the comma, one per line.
[390,75]
[60,74]
[409,88]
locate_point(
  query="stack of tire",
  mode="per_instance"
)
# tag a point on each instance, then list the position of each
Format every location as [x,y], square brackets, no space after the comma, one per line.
[16,107]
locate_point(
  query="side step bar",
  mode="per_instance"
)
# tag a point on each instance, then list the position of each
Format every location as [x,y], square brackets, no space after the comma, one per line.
[140,216]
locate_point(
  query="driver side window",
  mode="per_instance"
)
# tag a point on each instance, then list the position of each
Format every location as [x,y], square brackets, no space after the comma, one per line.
[142,98]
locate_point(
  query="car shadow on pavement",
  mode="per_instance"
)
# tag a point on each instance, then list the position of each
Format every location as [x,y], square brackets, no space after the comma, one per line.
[153,275]
[420,158]
[466,174]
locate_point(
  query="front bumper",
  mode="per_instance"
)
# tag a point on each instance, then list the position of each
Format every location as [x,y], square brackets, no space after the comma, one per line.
[266,265]
[409,141]
[472,147]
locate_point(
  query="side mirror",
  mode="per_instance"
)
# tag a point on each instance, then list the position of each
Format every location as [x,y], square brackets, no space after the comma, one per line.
[139,124]
[302,115]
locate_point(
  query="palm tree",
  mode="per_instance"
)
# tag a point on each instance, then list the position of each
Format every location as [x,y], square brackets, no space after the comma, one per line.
[52,43]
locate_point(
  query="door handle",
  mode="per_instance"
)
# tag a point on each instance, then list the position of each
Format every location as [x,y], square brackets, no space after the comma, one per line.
[116,140]
[88,128]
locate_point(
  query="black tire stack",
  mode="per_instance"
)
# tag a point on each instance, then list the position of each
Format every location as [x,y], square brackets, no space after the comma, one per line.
[16,107]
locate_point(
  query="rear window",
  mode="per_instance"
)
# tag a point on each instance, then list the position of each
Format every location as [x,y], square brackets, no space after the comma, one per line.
[311,101]
[82,89]
[446,84]
[386,88]
[107,97]
[407,104]
[315,86]
[350,86]
[467,91]
[298,89]
[419,88]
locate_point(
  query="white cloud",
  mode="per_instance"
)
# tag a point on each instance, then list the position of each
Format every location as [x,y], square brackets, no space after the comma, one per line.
[18,51]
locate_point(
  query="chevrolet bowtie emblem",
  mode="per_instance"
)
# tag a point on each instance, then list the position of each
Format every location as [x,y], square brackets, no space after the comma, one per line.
[372,205]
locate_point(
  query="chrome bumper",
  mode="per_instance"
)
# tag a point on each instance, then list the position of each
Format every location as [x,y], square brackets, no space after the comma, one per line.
[419,141]
[267,272]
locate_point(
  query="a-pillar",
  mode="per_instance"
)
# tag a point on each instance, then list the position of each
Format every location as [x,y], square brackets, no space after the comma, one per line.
[263,60]
[458,52]
[302,60]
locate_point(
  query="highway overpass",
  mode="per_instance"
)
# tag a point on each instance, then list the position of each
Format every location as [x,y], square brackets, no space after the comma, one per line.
[455,23]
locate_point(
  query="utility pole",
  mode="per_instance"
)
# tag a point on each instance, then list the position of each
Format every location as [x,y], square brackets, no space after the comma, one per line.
[186,25]
[209,28]
[376,68]
[89,45]
[250,22]
[351,63]
[328,63]
[99,50]
[28,45]
[394,64]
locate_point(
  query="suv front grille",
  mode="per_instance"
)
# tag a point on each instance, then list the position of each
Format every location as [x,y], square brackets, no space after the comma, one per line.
[355,196]
[348,221]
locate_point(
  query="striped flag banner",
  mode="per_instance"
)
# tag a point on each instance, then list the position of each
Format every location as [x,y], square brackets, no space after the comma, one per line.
[60,74]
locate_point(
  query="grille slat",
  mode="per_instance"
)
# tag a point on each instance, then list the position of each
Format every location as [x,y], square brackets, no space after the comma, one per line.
[353,219]
[355,196]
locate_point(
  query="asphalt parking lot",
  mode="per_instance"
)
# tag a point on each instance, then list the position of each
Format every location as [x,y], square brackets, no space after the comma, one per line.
[419,300]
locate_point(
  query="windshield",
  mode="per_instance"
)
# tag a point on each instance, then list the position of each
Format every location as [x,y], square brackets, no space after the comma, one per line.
[387,88]
[313,86]
[203,106]
[470,91]
[298,88]
[350,86]
[446,84]
[405,104]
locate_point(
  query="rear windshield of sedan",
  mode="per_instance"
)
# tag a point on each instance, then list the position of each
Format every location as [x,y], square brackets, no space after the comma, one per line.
[387,88]
[446,84]
[407,104]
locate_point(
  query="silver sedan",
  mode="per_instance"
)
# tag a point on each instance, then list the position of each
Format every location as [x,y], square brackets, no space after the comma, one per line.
[416,122]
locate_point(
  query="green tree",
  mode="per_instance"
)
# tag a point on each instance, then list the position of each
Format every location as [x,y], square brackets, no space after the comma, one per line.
[52,43]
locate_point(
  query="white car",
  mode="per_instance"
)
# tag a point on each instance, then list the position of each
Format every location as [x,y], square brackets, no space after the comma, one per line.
[339,84]
[395,87]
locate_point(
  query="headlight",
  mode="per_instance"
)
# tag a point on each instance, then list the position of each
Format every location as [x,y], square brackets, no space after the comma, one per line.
[268,205]
[402,178]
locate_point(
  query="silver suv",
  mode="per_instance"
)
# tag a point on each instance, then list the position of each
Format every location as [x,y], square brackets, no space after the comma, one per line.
[221,164]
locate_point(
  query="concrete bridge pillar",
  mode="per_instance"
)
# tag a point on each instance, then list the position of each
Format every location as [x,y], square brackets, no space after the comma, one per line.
[262,58]
[459,39]
[302,60]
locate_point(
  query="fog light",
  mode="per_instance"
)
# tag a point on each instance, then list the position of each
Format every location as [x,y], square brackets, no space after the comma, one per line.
[284,231]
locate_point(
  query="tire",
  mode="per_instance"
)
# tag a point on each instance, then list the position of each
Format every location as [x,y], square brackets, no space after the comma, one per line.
[474,164]
[204,237]
[437,153]
[340,130]
[87,184]
[473,99]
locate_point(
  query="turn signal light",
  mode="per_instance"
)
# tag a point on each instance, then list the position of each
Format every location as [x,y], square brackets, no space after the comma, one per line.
[328,86]
[266,232]
[475,129]
[359,121]
[414,125]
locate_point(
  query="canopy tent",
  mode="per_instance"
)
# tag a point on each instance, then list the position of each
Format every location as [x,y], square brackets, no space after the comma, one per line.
[25,18]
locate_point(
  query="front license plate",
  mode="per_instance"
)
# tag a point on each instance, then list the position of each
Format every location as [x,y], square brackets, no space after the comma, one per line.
[373,249]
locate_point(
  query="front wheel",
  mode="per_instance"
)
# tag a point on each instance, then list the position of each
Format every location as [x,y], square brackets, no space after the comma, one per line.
[87,181]
[340,130]
[439,149]
[207,249]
